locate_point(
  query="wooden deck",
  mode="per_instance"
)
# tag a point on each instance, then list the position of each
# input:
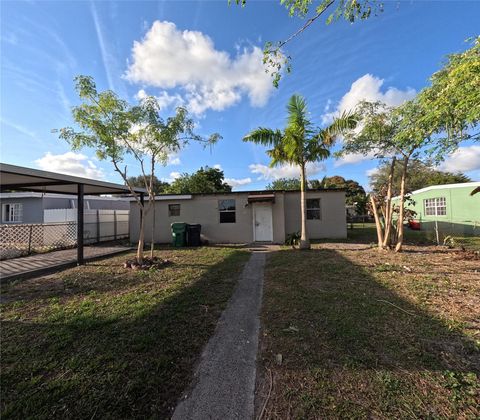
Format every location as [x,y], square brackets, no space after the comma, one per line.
[38,264]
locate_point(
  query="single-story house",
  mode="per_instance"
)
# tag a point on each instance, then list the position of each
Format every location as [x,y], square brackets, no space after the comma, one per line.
[449,208]
[30,207]
[246,216]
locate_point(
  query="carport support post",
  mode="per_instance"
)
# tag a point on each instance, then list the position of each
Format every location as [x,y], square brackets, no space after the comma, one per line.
[80,190]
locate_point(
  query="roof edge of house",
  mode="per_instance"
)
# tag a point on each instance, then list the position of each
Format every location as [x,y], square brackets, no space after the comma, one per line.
[164,197]
[33,194]
[442,186]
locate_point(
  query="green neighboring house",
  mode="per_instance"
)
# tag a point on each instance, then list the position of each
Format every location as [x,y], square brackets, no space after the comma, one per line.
[449,208]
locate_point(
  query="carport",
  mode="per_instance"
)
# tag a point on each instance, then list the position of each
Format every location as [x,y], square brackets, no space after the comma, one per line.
[18,178]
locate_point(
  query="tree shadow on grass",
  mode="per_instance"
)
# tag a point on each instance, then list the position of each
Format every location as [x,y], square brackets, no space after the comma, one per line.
[128,355]
[102,276]
[353,347]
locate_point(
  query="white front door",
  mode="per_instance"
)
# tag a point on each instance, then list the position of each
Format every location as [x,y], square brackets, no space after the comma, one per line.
[262,219]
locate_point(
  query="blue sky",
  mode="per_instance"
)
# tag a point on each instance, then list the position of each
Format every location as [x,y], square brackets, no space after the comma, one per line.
[206,55]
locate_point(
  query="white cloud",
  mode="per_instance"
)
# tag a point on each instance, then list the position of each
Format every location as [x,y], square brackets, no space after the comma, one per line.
[164,99]
[173,159]
[70,163]
[172,177]
[169,58]
[217,166]
[353,158]
[234,182]
[108,54]
[366,88]
[20,128]
[372,171]
[369,88]
[285,171]
[464,159]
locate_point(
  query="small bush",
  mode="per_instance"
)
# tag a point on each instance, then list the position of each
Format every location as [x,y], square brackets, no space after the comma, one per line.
[293,239]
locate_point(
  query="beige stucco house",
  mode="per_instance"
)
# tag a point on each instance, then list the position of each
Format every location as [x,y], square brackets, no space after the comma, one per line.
[245,217]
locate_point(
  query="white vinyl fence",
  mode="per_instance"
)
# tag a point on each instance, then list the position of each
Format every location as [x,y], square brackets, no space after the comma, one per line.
[60,231]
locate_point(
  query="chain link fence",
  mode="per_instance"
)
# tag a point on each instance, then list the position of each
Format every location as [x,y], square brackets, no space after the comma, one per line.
[453,233]
[18,240]
[99,226]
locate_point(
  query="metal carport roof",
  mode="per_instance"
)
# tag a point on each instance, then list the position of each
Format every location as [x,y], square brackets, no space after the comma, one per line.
[19,178]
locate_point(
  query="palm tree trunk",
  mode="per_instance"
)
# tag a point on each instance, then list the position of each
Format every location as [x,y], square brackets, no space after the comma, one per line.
[401,213]
[388,207]
[141,236]
[378,225]
[304,241]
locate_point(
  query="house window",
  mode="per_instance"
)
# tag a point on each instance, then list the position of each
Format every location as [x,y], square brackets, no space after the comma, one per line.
[435,206]
[173,210]
[12,213]
[227,211]
[313,209]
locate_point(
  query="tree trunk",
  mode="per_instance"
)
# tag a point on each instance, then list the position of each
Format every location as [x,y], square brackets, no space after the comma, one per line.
[141,236]
[401,212]
[388,207]
[304,241]
[378,225]
[152,244]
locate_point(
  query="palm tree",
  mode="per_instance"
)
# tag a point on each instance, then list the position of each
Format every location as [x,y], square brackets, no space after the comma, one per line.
[299,143]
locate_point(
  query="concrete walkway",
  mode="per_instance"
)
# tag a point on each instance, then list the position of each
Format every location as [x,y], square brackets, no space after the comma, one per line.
[39,264]
[224,384]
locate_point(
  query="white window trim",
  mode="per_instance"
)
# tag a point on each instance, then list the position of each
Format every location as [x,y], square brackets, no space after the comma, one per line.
[11,213]
[435,206]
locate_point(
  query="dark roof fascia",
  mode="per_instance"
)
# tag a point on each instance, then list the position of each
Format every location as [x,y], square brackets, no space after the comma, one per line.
[257,192]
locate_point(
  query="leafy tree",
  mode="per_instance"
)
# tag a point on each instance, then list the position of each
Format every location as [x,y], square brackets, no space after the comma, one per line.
[298,143]
[159,187]
[205,180]
[284,184]
[116,129]
[452,103]
[354,192]
[333,10]
[420,175]
[392,135]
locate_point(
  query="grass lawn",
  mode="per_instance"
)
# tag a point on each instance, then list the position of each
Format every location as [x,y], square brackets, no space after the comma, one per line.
[102,342]
[369,334]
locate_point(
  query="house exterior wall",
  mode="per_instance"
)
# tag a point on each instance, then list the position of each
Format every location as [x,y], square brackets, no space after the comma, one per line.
[203,209]
[332,223]
[32,208]
[462,210]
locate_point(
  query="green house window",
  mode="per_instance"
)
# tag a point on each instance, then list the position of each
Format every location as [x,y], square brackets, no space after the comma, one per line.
[435,206]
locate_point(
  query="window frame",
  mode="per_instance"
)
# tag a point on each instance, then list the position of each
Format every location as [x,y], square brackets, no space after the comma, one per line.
[222,210]
[170,210]
[314,209]
[14,216]
[431,206]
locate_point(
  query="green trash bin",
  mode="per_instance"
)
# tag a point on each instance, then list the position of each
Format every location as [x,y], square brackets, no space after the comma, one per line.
[179,234]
